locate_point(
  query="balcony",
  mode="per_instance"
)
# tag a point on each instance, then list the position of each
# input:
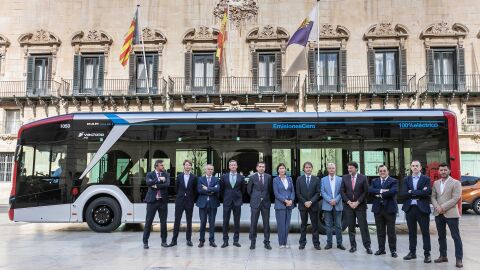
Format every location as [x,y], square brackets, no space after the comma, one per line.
[23,88]
[449,84]
[113,87]
[471,127]
[233,86]
[331,85]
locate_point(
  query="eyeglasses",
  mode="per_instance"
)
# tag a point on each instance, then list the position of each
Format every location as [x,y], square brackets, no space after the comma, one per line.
[382,170]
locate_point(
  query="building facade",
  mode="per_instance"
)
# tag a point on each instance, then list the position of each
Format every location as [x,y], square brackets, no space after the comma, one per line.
[63,57]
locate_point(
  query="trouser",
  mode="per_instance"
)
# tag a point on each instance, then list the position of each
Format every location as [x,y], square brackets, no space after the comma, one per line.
[385,223]
[303,227]
[414,216]
[179,208]
[255,214]
[442,222]
[329,217]
[359,215]
[236,222]
[283,217]
[152,208]
[209,213]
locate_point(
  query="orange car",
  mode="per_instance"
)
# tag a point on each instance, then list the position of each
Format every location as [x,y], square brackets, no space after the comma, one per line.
[471,193]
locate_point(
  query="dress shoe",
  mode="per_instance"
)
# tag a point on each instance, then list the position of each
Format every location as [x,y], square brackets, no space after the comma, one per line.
[212,244]
[189,243]
[317,247]
[252,245]
[459,264]
[301,247]
[380,252]
[394,254]
[341,247]
[328,246]
[145,246]
[369,251]
[237,244]
[225,244]
[200,245]
[410,256]
[267,246]
[441,259]
[165,245]
[352,250]
[427,259]
[172,244]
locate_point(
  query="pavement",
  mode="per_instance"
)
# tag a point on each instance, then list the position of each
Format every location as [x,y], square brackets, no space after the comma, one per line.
[73,246]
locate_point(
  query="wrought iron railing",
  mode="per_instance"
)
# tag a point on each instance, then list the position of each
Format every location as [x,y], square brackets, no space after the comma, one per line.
[24,88]
[449,83]
[113,87]
[360,84]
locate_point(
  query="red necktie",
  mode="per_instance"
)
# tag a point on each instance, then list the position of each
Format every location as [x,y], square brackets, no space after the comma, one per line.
[353,187]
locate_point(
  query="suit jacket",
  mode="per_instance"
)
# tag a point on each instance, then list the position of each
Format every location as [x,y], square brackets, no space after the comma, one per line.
[282,194]
[326,191]
[421,194]
[359,194]
[186,195]
[306,193]
[208,198]
[154,184]
[385,201]
[448,200]
[260,195]
[232,196]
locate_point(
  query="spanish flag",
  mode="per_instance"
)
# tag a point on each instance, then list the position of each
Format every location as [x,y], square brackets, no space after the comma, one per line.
[131,38]
[222,36]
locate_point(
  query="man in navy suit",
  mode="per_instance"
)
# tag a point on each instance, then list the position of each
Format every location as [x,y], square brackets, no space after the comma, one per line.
[354,193]
[308,194]
[208,188]
[186,187]
[232,188]
[417,191]
[260,189]
[158,182]
[384,208]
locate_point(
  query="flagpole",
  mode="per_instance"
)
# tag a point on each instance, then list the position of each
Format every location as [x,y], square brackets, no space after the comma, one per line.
[227,56]
[318,44]
[143,49]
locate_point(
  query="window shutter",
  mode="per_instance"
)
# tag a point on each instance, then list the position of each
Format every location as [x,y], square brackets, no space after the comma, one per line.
[278,71]
[430,70]
[30,68]
[403,69]
[216,74]
[371,69]
[101,67]
[461,69]
[154,76]
[77,73]
[132,74]
[342,76]
[311,70]
[254,56]
[49,90]
[188,71]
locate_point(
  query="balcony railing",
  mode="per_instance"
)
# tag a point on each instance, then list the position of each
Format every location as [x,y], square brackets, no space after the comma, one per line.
[449,83]
[10,126]
[113,87]
[23,88]
[471,127]
[233,85]
[360,84]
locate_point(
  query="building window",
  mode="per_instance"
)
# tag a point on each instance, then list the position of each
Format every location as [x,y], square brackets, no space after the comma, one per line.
[470,163]
[444,68]
[203,71]
[473,119]
[90,67]
[266,71]
[327,70]
[386,69]
[39,74]
[88,74]
[12,121]
[6,167]
[142,71]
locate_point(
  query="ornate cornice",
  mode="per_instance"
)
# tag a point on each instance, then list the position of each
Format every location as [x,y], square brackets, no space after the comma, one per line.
[240,11]
[91,37]
[153,36]
[4,41]
[201,34]
[40,37]
[268,33]
[328,31]
[386,30]
[443,30]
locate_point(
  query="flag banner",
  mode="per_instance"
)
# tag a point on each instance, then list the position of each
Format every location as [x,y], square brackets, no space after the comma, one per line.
[131,38]
[222,36]
[301,36]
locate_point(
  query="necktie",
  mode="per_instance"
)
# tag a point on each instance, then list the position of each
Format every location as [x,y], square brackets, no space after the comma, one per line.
[232,179]
[159,195]
[383,181]
[208,181]
[308,181]
[353,187]
[261,179]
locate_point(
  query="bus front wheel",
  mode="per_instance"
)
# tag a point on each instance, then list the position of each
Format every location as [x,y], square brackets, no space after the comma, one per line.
[103,215]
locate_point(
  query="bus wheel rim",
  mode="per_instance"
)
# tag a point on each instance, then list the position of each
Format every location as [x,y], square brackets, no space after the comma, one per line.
[102,215]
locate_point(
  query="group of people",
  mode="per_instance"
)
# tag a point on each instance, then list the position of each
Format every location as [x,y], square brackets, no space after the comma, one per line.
[340,195]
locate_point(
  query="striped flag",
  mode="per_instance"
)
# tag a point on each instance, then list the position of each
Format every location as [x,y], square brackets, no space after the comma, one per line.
[302,35]
[131,38]
[222,36]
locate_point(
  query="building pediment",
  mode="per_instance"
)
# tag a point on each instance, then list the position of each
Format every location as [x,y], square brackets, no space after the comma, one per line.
[4,41]
[444,30]
[91,37]
[40,37]
[328,31]
[201,34]
[267,33]
[153,36]
[386,30]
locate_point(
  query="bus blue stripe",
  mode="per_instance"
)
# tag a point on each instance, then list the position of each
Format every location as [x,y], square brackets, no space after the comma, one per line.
[267,123]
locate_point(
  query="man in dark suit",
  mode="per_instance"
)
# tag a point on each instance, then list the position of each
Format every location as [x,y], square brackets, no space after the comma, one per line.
[186,187]
[232,189]
[208,188]
[384,207]
[417,191]
[260,189]
[354,194]
[308,194]
[157,199]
